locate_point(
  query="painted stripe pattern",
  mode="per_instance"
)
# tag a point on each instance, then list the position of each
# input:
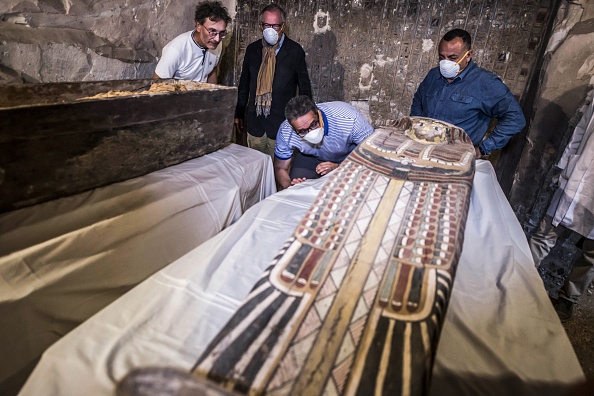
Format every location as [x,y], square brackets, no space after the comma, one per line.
[355,299]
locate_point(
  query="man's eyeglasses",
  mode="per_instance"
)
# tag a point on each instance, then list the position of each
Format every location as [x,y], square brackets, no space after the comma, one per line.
[314,124]
[213,33]
[275,26]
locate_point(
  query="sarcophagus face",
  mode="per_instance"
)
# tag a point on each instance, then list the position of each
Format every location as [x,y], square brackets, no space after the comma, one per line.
[355,300]
[57,139]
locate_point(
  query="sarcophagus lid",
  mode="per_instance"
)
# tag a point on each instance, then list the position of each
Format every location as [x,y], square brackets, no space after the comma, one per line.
[59,139]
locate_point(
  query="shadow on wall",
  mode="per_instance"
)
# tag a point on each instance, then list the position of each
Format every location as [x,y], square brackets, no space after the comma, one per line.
[226,67]
[325,72]
[540,147]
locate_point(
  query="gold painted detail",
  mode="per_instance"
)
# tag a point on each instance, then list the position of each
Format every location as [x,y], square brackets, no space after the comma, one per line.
[315,372]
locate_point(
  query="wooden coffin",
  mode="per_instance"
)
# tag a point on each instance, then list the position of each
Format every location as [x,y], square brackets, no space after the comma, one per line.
[55,143]
[356,298]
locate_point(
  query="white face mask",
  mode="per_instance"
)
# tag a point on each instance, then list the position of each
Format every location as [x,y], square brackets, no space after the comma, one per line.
[270,35]
[450,69]
[314,136]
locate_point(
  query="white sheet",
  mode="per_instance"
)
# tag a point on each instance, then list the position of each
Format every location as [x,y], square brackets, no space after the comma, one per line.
[62,261]
[501,334]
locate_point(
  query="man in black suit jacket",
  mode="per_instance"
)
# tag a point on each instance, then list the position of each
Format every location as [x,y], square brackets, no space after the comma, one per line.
[273,68]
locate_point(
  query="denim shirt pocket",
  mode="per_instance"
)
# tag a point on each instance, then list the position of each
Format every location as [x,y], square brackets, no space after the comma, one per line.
[460,104]
[463,100]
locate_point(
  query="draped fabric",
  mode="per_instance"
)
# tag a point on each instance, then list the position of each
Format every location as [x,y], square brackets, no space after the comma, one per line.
[501,335]
[573,203]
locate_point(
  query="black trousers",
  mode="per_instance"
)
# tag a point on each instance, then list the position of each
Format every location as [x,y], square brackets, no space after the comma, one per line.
[304,165]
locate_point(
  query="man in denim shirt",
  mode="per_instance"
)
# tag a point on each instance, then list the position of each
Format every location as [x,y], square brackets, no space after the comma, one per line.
[468,96]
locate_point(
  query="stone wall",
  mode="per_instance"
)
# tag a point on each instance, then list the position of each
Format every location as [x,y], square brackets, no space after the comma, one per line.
[374,54]
[370,53]
[566,76]
[86,40]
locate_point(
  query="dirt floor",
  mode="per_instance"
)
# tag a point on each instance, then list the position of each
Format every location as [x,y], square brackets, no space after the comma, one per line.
[580,329]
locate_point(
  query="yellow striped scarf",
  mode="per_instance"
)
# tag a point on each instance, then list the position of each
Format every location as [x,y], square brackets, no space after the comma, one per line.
[265,77]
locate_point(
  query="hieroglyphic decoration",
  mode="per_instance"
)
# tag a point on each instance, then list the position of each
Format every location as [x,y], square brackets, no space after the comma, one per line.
[380,51]
[355,299]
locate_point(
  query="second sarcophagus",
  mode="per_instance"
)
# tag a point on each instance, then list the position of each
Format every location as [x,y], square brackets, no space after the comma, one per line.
[355,300]
[59,139]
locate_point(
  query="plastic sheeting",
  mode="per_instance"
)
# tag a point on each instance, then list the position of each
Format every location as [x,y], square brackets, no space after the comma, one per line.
[501,334]
[64,260]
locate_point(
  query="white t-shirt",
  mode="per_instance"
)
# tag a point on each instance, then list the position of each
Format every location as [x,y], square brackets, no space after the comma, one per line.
[184,59]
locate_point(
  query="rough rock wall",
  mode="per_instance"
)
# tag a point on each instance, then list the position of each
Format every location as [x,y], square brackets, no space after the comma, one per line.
[374,54]
[87,40]
[568,74]
[370,53]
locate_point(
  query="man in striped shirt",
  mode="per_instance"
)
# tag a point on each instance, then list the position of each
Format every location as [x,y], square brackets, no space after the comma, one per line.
[315,139]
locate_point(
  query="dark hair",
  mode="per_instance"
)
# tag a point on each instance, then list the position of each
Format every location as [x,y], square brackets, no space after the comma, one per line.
[212,10]
[299,106]
[463,34]
[274,8]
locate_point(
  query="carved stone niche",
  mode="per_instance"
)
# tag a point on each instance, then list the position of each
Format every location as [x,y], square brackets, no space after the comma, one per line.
[59,139]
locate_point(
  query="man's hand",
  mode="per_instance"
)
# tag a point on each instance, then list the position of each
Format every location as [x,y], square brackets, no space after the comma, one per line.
[298,180]
[240,133]
[325,168]
[478,154]
[240,124]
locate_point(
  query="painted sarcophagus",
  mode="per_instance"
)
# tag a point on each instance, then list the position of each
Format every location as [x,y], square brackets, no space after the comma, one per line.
[355,300]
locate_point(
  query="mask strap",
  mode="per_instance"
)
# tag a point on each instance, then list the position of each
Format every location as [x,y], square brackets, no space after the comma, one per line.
[321,122]
[461,59]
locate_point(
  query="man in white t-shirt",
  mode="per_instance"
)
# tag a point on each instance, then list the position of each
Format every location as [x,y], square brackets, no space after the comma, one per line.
[194,55]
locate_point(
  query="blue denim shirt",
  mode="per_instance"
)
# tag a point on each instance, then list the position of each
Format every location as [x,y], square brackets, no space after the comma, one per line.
[470,101]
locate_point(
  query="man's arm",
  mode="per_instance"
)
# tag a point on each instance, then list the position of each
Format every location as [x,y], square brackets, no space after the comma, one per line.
[243,90]
[212,77]
[361,129]
[416,108]
[168,64]
[281,172]
[510,120]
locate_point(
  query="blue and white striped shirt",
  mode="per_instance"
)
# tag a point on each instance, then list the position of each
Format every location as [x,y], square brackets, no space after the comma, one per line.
[344,129]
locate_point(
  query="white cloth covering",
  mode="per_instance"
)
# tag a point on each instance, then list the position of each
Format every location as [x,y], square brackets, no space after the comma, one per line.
[501,334]
[64,260]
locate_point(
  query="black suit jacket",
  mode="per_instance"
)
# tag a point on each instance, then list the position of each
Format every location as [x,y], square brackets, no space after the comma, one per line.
[290,73]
